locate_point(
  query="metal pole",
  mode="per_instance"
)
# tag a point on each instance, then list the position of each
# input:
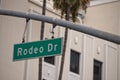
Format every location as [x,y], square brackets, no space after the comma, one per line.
[26,77]
[41,38]
[81,28]
[27,63]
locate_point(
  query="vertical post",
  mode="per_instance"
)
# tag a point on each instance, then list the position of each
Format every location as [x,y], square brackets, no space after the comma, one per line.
[26,77]
[43,24]
[41,38]
[67,17]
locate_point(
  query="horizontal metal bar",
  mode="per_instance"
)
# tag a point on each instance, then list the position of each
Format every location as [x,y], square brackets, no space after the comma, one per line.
[81,28]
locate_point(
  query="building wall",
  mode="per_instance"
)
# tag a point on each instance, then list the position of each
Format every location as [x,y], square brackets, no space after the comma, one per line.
[102,17]
[107,20]
[11,31]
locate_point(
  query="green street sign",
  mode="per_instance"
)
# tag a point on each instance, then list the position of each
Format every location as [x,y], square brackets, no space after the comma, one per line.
[42,48]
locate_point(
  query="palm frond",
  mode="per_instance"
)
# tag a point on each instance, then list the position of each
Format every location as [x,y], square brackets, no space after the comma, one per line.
[74,6]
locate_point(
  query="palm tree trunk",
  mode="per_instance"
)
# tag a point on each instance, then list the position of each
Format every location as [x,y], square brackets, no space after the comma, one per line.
[41,38]
[64,46]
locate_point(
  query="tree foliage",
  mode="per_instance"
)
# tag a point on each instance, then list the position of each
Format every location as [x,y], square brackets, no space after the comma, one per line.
[74,6]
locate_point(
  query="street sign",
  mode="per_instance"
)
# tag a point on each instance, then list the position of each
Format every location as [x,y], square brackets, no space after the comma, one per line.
[42,48]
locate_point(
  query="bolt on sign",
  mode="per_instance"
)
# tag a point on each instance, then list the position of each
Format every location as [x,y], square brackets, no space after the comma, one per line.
[38,49]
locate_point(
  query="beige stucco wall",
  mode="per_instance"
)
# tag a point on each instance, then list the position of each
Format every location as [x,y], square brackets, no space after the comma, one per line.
[104,17]
[11,31]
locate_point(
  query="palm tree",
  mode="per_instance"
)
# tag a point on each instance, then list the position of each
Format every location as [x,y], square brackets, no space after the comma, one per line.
[67,8]
[71,6]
